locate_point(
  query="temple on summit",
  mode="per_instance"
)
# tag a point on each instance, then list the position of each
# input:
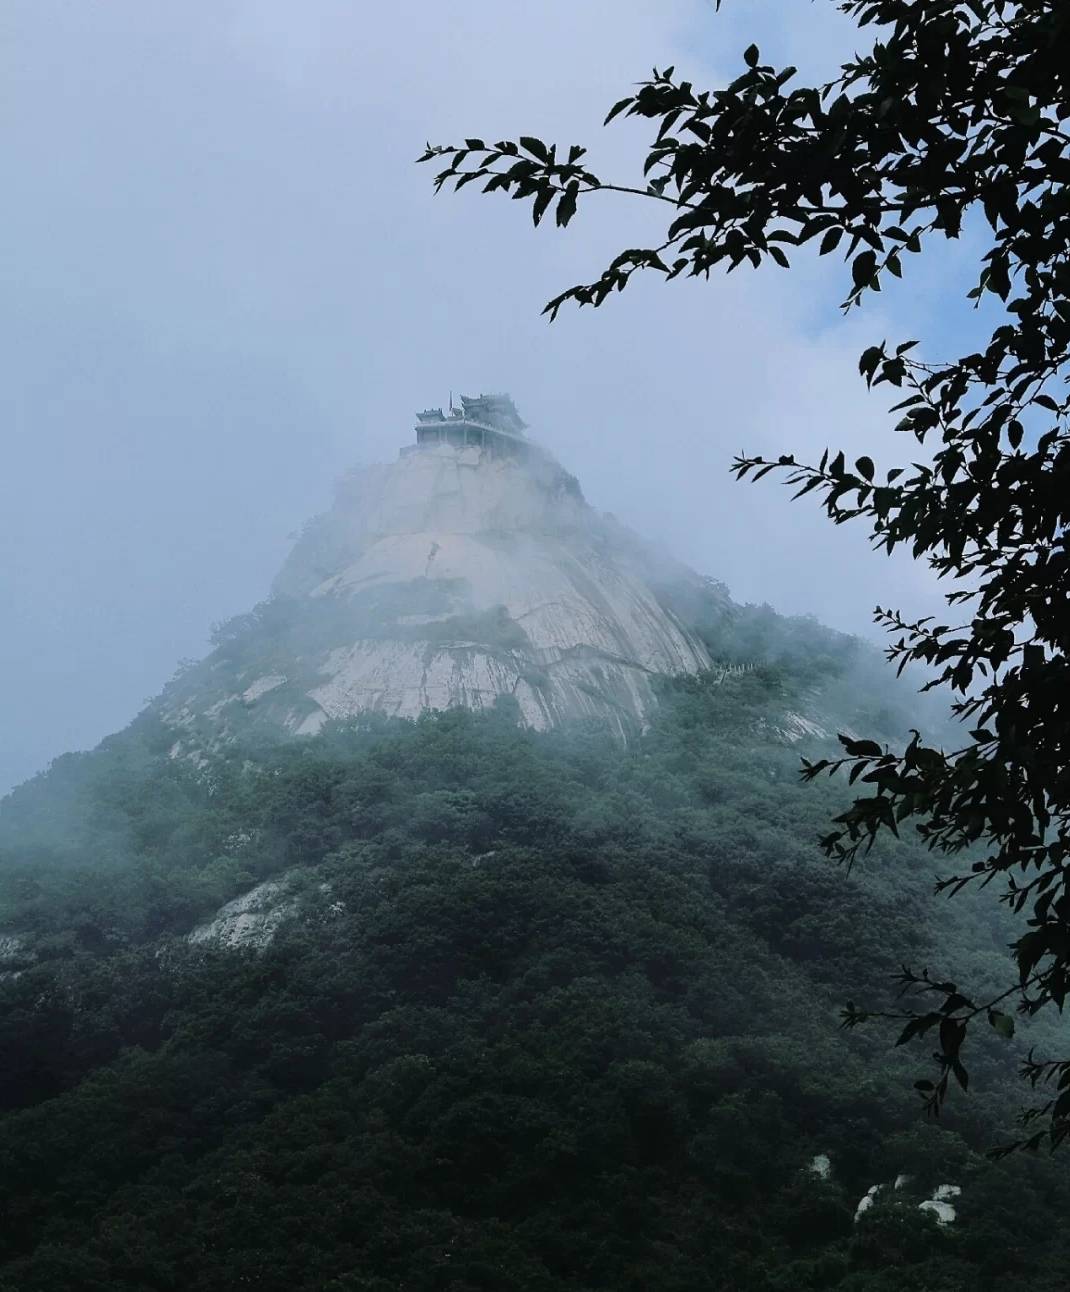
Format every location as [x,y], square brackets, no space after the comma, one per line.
[489,422]
[467,572]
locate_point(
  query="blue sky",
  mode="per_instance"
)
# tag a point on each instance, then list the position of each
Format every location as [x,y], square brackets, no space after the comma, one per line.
[224,282]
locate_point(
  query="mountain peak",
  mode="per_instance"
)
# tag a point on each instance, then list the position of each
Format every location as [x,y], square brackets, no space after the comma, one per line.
[470,569]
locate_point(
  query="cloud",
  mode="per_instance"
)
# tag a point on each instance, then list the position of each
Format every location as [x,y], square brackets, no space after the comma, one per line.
[226,281]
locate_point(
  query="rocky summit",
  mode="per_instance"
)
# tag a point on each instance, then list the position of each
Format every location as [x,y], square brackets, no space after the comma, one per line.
[469,569]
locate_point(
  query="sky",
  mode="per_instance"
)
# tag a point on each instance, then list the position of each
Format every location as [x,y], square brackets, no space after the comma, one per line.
[223,282]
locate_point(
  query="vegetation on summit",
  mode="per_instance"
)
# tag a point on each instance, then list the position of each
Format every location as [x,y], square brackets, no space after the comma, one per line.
[954,118]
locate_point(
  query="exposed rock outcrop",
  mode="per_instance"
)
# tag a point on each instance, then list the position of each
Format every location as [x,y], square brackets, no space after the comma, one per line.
[939,1205]
[249,921]
[470,569]
[821,1166]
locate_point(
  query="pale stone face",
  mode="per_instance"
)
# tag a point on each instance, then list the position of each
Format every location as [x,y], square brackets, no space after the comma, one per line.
[453,577]
[248,921]
[944,1212]
[939,1204]
[821,1166]
[262,686]
[867,1201]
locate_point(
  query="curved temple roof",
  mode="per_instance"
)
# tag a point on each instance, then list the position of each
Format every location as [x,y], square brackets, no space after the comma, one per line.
[496,414]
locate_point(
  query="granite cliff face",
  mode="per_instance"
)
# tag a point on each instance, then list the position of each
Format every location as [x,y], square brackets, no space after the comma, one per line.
[469,569]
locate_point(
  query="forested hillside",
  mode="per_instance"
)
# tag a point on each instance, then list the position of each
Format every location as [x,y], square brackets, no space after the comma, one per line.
[540,1011]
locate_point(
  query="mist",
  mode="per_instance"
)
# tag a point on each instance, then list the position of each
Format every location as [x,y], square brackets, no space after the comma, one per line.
[225,282]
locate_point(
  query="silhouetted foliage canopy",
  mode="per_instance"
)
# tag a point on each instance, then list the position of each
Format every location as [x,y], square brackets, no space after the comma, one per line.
[953,118]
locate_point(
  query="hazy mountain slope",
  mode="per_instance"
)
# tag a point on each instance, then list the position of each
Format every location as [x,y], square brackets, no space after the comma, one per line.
[452,576]
[488,998]
[532,1010]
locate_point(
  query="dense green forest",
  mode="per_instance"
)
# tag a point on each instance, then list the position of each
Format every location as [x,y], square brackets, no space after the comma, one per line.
[545,1012]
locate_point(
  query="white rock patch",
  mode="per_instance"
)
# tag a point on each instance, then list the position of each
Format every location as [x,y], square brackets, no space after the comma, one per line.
[552,602]
[251,920]
[940,1205]
[821,1166]
[867,1201]
[262,685]
[797,727]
